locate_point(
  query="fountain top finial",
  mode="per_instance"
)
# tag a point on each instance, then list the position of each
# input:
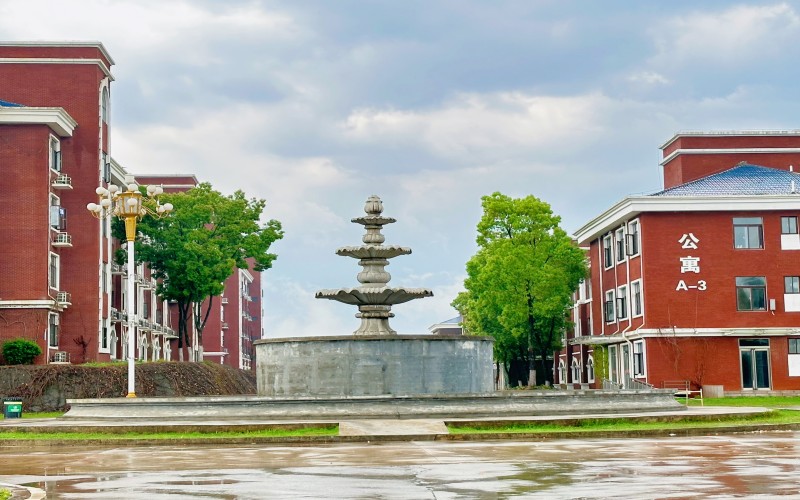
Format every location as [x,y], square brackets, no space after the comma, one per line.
[374,205]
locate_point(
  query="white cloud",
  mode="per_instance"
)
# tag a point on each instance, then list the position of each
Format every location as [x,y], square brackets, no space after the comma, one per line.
[731,37]
[142,26]
[485,127]
[648,78]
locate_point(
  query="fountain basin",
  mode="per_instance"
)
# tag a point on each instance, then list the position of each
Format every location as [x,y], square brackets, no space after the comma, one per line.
[397,365]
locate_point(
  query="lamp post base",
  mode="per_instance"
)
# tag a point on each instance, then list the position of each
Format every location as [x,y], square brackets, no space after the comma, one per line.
[131,395]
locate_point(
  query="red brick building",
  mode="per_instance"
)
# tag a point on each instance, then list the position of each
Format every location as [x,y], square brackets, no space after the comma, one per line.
[700,282]
[60,286]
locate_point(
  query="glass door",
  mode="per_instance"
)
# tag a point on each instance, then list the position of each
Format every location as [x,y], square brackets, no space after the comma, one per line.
[754,355]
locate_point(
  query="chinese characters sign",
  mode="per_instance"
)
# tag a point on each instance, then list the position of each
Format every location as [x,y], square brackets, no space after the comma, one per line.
[690,264]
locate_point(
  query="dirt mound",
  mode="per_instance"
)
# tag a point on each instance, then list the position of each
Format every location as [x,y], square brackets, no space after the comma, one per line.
[46,388]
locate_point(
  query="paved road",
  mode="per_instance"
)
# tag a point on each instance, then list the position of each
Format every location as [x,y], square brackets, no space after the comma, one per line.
[762,465]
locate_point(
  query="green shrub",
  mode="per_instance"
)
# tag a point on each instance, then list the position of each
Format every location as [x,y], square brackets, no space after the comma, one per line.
[20,352]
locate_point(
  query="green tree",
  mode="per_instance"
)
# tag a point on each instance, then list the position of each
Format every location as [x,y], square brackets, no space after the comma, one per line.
[20,351]
[196,248]
[520,283]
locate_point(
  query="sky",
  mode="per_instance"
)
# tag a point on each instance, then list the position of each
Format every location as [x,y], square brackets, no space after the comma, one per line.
[315,105]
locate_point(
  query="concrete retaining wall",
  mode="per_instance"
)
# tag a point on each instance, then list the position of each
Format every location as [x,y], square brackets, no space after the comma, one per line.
[506,404]
[373,366]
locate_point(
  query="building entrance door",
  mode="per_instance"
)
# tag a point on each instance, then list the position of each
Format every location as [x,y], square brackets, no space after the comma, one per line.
[754,355]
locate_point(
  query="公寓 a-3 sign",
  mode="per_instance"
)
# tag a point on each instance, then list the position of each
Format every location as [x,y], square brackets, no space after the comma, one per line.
[690,264]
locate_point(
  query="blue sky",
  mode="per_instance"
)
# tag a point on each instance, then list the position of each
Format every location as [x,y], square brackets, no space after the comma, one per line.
[315,105]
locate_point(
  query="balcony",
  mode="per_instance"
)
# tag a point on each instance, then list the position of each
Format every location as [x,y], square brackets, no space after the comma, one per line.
[64,299]
[62,239]
[62,182]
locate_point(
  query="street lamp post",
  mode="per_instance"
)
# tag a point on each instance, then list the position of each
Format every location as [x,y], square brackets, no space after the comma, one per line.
[128,205]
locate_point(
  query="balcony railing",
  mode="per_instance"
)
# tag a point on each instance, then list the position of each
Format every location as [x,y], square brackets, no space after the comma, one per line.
[60,357]
[62,182]
[117,315]
[64,298]
[145,324]
[62,239]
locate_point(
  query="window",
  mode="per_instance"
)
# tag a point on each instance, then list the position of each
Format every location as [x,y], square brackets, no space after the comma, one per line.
[633,238]
[788,225]
[791,284]
[58,214]
[105,167]
[636,298]
[751,292]
[620,241]
[562,372]
[52,330]
[794,346]
[638,359]
[609,306]
[590,369]
[54,271]
[104,105]
[622,302]
[104,338]
[55,154]
[748,232]
[576,370]
[607,260]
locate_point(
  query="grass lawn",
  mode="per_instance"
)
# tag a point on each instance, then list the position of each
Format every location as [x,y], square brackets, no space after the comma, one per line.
[331,430]
[775,417]
[765,401]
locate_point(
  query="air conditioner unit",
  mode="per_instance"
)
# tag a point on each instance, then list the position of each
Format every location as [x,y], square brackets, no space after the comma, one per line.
[56,319]
[60,357]
[64,298]
[772,304]
[224,300]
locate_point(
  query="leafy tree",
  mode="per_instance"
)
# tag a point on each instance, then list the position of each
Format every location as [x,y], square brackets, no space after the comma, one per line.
[519,285]
[197,247]
[20,351]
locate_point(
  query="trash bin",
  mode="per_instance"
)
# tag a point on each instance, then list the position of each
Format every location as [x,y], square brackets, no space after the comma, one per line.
[12,408]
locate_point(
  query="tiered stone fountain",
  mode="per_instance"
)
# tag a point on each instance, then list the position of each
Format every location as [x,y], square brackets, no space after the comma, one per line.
[375,360]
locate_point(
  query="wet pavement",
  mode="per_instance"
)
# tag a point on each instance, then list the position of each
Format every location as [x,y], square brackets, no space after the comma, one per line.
[762,465]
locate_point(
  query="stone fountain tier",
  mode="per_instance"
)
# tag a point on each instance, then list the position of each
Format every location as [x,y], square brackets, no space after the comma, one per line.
[373,251]
[397,365]
[374,295]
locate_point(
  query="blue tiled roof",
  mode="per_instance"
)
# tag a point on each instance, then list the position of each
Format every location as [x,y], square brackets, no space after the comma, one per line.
[741,180]
[454,321]
[10,104]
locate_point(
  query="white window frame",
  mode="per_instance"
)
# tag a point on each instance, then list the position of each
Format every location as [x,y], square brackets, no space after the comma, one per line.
[562,371]
[634,303]
[612,311]
[105,100]
[638,353]
[608,251]
[52,321]
[619,245]
[575,370]
[590,369]
[54,262]
[632,239]
[54,154]
[622,302]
